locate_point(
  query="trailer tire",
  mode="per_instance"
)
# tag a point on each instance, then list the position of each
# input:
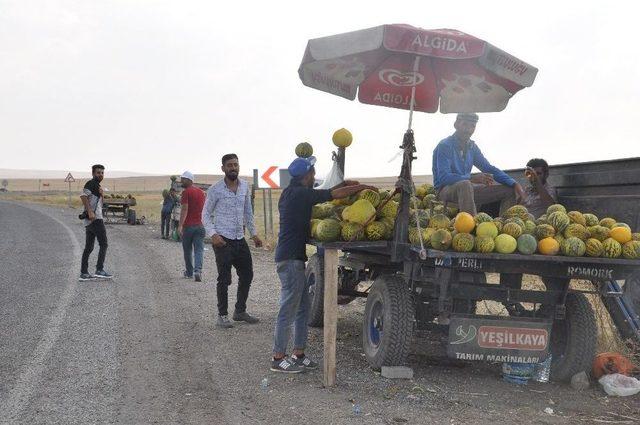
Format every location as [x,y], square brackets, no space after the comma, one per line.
[315,281]
[573,339]
[387,328]
[131,216]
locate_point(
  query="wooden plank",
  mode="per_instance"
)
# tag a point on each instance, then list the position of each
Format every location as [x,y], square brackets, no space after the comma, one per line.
[330,315]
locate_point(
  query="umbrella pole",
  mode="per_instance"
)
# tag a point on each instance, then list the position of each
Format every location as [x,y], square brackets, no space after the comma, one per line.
[416,65]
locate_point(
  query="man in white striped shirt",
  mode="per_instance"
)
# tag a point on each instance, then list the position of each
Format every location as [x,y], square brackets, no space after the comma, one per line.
[226,213]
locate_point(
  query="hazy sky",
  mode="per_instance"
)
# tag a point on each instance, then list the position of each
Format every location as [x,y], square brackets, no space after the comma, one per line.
[163,86]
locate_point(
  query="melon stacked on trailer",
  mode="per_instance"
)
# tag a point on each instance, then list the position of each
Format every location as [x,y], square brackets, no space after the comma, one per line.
[366,216]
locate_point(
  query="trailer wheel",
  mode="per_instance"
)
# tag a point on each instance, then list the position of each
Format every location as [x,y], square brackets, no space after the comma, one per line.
[131,216]
[573,340]
[315,282]
[388,322]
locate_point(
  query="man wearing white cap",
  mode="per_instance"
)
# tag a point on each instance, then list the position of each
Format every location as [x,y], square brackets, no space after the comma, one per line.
[453,159]
[191,229]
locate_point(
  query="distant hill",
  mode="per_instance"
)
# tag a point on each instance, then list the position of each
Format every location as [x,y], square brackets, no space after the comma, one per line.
[8,173]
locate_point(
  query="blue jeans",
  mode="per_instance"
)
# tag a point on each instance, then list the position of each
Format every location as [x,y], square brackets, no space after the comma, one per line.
[294,306]
[193,241]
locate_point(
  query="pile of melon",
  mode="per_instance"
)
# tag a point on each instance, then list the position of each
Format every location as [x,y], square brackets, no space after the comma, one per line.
[366,216]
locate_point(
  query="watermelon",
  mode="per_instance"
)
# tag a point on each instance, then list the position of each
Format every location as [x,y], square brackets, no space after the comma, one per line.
[484,244]
[422,216]
[594,248]
[599,232]
[519,211]
[608,222]
[439,221]
[544,231]
[573,247]
[529,227]
[505,244]
[541,220]
[527,244]
[304,150]
[516,220]
[577,217]
[328,230]
[463,242]
[370,195]
[559,220]
[482,217]
[375,231]
[631,250]
[576,230]
[499,223]
[487,228]
[635,236]
[441,239]
[611,248]
[352,232]
[556,207]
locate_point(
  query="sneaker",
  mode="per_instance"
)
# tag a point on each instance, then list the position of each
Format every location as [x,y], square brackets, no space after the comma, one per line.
[224,322]
[186,276]
[197,277]
[85,277]
[102,274]
[304,362]
[245,317]
[285,365]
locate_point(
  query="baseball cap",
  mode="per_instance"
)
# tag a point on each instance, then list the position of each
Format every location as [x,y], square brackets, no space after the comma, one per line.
[301,166]
[468,116]
[187,175]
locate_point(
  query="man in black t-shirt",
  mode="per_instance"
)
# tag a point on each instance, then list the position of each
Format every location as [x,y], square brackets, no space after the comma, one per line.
[295,207]
[94,225]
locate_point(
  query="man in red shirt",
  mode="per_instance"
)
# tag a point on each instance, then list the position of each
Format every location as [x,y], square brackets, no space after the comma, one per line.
[191,229]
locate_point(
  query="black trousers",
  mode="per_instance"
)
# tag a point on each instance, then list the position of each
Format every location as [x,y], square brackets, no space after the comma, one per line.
[236,254]
[165,223]
[93,231]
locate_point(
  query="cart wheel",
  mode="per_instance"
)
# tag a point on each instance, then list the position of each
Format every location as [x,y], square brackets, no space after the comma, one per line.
[315,281]
[131,216]
[387,329]
[573,340]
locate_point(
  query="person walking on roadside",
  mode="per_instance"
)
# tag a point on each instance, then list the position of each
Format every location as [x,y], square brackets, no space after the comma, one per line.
[94,225]
[295,207]
[190,228]
[168,203]
[227,213]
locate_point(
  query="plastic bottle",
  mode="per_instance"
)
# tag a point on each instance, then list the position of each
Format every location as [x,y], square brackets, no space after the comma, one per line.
[264,384]
[543,370]
[357,410]
[517,373]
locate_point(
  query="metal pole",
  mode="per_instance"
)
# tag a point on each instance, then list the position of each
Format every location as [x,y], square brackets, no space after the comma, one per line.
[271,212]
[264,211]
[416,64]
[69,194]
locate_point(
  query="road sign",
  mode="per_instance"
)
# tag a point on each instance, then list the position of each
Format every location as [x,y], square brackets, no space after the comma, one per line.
[266,177]
[69,179]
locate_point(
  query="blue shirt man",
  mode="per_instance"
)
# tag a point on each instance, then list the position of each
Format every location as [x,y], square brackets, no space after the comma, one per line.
[453,159]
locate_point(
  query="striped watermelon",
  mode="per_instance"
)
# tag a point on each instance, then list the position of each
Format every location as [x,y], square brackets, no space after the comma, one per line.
[594,248]
[611,248]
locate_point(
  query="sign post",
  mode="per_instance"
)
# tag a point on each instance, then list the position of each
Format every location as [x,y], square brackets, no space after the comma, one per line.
[69,179]
[267,198]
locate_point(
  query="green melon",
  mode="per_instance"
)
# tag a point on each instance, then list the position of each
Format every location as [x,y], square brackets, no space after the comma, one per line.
[439,221]
[594,248]
[499,223]
[516,220]
[529,227]
[631,250]
[319,211]
[422,216]
[441,239]
[541,220]
[304,150]
[590,220]
[576,230]
[487,228]
[389,226]
[384,194]
[556,207]
[428,201]
[375,231]
[527,244]
[389,210]
[544,231]
[463,242]
[352,232]
[573,247]
[328,230]
[512,229]
[577,217]
[484,244]
[608,222]
[559,238]
[611,248]
[519,211]
[482,217]
[451,212]
[505,244]
[314,227]
[635,236]
[371,196]
[439,209]
[559,220]
[599,232]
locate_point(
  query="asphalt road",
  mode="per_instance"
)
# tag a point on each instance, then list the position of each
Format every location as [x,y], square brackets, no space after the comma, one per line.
[90,352]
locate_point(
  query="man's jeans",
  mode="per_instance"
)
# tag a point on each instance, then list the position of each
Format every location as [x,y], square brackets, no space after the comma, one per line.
[165,223]
[93,231]
[193,241]
[236,254]
[294,306]
[467,195]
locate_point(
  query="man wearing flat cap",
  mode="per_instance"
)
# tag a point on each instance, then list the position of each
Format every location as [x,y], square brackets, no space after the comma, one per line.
[295,207]
[453,159]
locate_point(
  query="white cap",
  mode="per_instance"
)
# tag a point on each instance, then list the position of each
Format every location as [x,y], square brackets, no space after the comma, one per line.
[187,175]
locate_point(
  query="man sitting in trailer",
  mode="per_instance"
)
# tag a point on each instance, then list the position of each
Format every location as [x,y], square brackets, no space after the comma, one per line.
[453,159]
[539,194]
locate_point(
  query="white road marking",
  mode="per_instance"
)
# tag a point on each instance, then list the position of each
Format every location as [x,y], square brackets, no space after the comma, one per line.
[31,373]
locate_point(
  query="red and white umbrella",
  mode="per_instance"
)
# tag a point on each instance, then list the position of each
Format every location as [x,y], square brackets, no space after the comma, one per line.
[401,66]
